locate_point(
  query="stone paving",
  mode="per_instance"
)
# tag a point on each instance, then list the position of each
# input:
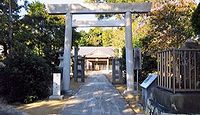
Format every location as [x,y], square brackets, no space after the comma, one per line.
[97,97]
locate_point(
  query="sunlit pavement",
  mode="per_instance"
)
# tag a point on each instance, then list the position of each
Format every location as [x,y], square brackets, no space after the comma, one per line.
[97,97]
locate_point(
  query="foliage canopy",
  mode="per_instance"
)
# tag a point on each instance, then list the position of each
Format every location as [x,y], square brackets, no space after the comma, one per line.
[170,25]
[196,20]
[37,37]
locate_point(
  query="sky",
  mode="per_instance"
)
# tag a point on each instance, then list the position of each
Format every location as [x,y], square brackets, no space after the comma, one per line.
[85,17]
[75,17]
[79,17]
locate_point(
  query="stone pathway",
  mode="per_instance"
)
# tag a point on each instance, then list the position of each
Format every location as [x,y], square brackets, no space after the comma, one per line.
[97,97]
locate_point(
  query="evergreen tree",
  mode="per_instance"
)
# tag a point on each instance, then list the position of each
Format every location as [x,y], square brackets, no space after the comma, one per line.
[196,20]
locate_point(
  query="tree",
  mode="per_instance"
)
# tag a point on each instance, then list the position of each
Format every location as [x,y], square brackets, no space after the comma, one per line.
[102,37]
[196,20]
[93,37]
[139,25]
[26,76]
[170,26]
[118,39]
[83,41]
[103,16]
[5,22]
[43,33]
[37,38]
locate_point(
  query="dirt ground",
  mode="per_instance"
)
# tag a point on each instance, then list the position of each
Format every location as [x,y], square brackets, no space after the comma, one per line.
[47,107]
[133,100]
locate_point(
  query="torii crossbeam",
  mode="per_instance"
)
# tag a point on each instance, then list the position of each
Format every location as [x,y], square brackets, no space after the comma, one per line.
[99,23]
[98,8]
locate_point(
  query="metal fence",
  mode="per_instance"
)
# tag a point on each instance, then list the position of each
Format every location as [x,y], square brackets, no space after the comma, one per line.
[179,70]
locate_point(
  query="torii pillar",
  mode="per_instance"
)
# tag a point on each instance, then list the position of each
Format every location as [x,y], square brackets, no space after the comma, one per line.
[67,52]
[129,52]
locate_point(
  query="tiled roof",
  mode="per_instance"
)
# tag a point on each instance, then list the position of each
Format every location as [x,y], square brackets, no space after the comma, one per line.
[93,52]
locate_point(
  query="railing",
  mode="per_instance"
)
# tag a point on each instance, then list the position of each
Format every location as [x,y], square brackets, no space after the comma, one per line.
[179,70]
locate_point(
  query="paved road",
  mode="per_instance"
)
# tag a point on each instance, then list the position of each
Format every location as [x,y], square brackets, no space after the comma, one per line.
[97,97]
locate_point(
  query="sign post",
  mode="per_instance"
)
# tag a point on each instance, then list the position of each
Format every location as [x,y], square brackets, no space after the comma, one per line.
[137,62]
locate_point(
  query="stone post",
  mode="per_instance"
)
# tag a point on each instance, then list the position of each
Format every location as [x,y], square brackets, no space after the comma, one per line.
[56,86]
[129,52]
[67,52]
[108,64]
[87,64]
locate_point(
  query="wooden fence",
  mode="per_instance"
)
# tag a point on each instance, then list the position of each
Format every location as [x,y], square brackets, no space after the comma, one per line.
[179,70]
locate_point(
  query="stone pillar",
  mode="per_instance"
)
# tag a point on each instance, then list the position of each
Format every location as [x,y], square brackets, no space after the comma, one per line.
[67,52]
[129,52]
[108,64]
[56,87]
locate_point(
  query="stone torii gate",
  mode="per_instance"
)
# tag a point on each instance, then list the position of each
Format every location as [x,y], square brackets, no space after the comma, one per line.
[98,8]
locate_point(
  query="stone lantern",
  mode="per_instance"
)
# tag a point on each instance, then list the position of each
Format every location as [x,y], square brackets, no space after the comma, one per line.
[60,59]
[57,78]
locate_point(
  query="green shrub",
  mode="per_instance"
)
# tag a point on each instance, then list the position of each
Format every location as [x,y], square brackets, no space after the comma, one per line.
[149,65]
[25,78]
